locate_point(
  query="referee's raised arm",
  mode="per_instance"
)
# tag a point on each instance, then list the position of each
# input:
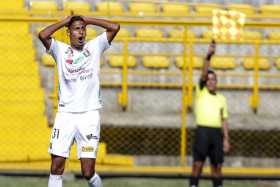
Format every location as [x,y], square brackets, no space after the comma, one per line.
[206,64]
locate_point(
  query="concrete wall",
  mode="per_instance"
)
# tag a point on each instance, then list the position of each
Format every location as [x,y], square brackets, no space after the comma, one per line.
[163,108]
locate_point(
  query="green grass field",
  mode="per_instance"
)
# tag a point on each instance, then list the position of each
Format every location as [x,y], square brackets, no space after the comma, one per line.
[125,182]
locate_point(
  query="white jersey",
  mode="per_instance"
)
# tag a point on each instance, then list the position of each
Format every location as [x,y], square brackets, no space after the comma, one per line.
[78,74]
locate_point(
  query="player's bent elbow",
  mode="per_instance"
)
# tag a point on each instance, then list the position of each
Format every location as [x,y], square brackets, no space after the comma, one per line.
[42,36]
[116,27]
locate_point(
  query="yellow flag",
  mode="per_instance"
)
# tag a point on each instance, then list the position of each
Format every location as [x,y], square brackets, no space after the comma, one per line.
[227,25]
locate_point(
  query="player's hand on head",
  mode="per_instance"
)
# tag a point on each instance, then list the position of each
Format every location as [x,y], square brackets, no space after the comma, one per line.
[212,48]
[67,19]
[85,18]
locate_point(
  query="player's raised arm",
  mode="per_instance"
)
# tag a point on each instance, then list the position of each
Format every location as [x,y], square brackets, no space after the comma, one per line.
[111,28]
[45,34]
[206,64]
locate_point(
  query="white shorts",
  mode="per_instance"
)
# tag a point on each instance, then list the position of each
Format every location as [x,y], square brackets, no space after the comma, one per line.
[83,128]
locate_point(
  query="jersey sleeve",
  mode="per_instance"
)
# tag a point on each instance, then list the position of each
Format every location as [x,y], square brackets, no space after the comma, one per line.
[101,41]
[54,49]
[224,108]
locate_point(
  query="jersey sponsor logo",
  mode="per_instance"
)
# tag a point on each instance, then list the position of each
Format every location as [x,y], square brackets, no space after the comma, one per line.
[86,70]
[81,58]
[91,136]
[74,70]
[84,77]
[69,61]
[87,149]
[86,53]
[69,51]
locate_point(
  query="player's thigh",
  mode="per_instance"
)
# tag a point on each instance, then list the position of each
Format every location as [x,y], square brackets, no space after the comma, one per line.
[62,135]
[201,144]
[216,152]
[88,134]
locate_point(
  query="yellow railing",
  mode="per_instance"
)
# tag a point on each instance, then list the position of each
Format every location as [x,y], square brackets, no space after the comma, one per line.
[188,44]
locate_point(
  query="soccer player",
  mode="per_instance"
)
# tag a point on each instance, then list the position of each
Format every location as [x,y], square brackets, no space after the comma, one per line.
[78,118]
[211,136]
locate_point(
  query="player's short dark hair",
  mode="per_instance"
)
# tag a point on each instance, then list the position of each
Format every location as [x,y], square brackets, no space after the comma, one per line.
[211,71]
[73,19]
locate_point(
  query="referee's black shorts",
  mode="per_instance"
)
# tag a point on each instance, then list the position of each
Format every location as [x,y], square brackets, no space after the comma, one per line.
[208,142]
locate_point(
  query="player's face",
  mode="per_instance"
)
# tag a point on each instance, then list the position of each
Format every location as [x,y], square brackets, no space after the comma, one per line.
[211,82]
[77,34]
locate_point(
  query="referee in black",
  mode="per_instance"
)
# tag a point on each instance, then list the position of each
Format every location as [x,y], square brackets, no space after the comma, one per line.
[211,136]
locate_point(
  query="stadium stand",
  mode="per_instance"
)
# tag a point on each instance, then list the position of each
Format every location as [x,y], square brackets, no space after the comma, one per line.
[270,9]
[207,35]
[246,35]
[277,63]
[248,63]
[244,8]
[22,69]
[251,35]
[176,33]
[123,33]
[91,32]
[142,9]
[43,7]
[47,60]
[206,9]
[223,63]
[22,98]
[156,62]
[20,28]
[109,8]
[15,7]
[77,7]
[118,61]
[174,9]
[133,8]
[273,35]
[149,33]
[197,62]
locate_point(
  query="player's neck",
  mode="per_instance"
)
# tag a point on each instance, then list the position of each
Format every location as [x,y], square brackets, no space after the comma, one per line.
[77,48]
[213,92]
